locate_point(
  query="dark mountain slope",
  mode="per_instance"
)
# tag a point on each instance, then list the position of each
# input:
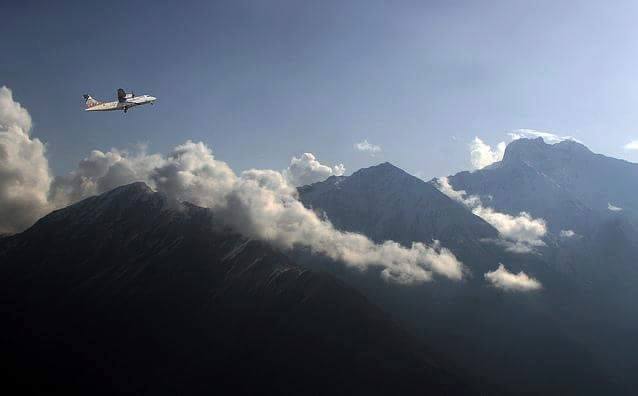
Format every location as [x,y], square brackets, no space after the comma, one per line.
[501,336]
[572,189]
[128,293]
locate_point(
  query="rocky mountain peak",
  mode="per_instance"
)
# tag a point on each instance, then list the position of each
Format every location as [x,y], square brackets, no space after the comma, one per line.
[383,169]
[536,151]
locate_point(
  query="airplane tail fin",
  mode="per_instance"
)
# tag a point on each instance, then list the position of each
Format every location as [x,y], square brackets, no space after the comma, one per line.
[90,102]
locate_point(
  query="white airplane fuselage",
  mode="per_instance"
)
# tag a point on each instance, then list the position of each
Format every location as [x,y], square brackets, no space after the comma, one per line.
[126,104]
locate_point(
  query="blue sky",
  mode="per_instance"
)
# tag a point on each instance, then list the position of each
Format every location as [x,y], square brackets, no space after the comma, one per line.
[261,81]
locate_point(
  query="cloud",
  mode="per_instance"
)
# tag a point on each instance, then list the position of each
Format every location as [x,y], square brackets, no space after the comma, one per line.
[24,169]
[191,173]
[613,208]
[263,204]
[365,146]
[12,113]
[258,203]
[522,233]
[548,137]
[307,170]
[471,201]
[103,171]
[501,278]
[633,145]
[482,154]
[567,234]
[519,234]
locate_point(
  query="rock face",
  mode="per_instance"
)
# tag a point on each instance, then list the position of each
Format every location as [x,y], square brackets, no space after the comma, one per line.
[565,183]
[384,202]
[594,179]
[384,199]
[129,293]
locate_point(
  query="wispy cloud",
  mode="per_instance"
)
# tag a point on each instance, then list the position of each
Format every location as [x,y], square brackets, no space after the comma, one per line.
[519,234]
[633,145]
[502,279]
[613,208]
[548,137]
[367,147]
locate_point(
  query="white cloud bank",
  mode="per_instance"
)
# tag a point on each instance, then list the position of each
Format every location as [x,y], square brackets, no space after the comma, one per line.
[307,170]
[100,172]
[519,234]
[365,146]
[260,204]
[502,279]
[482,154]
[24,169]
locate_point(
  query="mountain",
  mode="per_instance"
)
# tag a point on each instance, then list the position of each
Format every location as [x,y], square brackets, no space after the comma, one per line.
[594,196]
[571,188]
[384,202]
[385,199]
[596,180]
[128,292]
[496,335]
[564,182]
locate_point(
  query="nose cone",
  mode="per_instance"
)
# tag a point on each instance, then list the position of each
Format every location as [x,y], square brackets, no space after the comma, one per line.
[152,98]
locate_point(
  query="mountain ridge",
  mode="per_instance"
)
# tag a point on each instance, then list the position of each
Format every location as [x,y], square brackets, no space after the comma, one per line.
[568,170]
[155,298]
[462,319]
[358,202]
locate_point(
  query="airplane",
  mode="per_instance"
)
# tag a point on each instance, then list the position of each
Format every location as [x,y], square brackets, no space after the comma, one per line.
[124,102]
